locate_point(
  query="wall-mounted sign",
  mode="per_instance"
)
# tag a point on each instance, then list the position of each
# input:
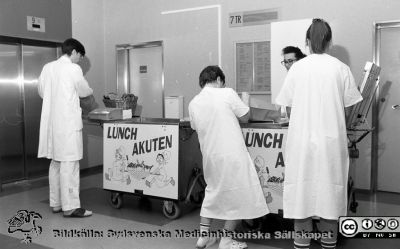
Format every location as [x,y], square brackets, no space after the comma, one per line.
[143,69]
[253,69]
[37,24]
[248,18]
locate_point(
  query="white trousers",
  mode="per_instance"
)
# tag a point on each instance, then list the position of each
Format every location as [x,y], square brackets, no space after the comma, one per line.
[64,184]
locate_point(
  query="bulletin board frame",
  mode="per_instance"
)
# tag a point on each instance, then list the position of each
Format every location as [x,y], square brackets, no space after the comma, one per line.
[251,67]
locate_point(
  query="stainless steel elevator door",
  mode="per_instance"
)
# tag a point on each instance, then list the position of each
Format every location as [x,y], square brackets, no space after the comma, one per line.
[11,114]
[34,58]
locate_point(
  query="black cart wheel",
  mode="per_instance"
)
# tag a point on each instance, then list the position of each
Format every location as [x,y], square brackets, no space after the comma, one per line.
[116,200]
[171,210]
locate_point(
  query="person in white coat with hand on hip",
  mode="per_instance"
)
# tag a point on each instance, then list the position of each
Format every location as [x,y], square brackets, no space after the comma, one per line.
[318,88]
[61,84]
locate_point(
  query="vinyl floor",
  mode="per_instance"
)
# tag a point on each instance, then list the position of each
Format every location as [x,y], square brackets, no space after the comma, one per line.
[140,223]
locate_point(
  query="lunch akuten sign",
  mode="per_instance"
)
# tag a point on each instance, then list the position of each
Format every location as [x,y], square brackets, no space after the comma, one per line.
[141,157]
[266,148]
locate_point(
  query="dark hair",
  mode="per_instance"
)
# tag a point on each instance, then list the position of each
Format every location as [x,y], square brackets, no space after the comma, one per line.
[319,35]
[71,44]
[297,52]
[211,74]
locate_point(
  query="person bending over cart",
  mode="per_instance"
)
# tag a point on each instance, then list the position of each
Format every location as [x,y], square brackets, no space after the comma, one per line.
[233,189]
[318,88]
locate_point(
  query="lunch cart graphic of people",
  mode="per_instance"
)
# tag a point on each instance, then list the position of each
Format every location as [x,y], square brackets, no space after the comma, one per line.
[141,157]
[159,175]
[271,185]
[262,171]
[118,171]
[266,148]
[122,171]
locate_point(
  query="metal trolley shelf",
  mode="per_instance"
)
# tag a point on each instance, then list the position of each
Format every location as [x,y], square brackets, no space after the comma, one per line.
[356,123]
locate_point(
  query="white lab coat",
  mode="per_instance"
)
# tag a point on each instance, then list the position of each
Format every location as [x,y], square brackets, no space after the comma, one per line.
[61,83]
[233,189]
[318,88]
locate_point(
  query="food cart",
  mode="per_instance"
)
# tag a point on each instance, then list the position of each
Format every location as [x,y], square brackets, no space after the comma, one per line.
[161,158]
[158,158]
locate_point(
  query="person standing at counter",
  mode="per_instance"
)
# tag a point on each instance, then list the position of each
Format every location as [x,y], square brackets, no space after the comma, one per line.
[318,88]
[233,189]
[291,55]
[61,84]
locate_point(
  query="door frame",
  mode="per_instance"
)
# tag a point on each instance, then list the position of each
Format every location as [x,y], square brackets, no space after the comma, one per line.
[126,67]
[377,27]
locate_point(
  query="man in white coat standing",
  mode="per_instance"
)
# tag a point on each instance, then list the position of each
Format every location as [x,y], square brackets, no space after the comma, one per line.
[61,84]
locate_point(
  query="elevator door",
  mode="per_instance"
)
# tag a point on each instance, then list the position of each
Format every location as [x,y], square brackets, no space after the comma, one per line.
[11,114]
[20,109]
[389,114]
[34,58]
